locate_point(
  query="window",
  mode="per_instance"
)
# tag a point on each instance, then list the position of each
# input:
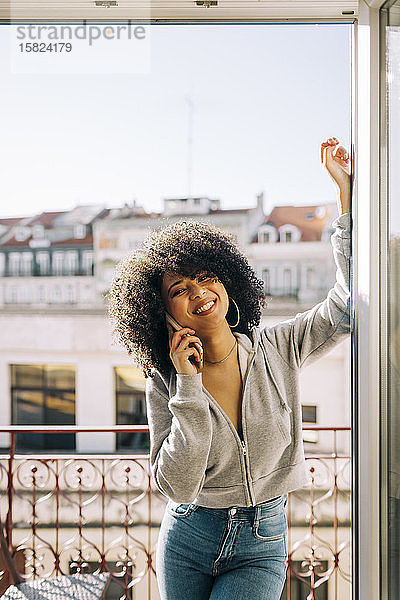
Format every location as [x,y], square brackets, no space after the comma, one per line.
[13,263]
[58,260]
[267,234]
[43,395]
[38,231]
[71,262]
[79,231]
[87,262]
[289,233]
[43,263]
[26,263]
[22,233]
[287,282]
[2,264]
[130,407]
[108,242]
[287,236]
[389,496]
[309,417]
[267,280]
[309,413]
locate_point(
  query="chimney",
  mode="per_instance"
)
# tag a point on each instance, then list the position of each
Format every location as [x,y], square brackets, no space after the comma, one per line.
[260,201]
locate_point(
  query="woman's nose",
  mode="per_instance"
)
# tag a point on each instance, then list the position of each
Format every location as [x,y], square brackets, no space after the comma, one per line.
[197,291]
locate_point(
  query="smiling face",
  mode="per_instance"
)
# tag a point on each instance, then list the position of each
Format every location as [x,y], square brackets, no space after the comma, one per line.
[200,303]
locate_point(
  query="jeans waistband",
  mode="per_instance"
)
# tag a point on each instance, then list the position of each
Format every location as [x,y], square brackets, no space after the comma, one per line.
[258,511]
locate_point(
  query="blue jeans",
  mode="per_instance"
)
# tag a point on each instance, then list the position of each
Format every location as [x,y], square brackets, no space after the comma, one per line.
[222,553]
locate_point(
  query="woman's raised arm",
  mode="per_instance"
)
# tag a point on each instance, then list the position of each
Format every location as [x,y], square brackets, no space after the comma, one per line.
[311,334]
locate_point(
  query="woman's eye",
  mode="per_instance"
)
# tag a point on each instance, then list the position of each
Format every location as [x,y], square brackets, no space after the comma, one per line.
[178,292]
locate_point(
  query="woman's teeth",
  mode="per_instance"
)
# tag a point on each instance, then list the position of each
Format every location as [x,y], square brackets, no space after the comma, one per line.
[205,307]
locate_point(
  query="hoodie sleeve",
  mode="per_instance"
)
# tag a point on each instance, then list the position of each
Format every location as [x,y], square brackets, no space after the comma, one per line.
[311,334]
[180,436]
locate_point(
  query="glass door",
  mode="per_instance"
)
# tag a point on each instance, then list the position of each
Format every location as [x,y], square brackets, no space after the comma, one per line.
[390,305]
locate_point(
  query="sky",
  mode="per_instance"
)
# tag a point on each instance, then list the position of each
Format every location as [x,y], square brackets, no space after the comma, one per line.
[264,97]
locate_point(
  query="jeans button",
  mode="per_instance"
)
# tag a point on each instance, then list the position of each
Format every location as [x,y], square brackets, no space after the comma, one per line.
[232,511]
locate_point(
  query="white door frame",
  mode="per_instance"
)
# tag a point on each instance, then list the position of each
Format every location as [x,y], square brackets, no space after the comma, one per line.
[368,284]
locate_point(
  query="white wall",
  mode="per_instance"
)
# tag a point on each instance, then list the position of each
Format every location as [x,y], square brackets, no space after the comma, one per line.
[83,341]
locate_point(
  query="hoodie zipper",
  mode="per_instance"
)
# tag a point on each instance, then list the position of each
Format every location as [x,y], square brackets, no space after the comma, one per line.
[244,449]
[242,442]
[249,490]
[243,446]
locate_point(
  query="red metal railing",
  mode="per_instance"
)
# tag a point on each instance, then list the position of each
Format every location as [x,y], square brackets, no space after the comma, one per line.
[102,512]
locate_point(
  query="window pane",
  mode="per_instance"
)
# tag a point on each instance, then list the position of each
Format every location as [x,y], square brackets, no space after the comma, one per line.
[60,376]
[129,378]
[27,375]
[130,407]
[309,413]
[392,424]
[27,407]
[37,406]
[60,408]
[131,410]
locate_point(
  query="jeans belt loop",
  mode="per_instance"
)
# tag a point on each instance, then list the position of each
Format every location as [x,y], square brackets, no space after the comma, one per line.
[257,516]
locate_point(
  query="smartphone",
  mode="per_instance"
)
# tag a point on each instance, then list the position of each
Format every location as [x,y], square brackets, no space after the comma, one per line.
[170,319]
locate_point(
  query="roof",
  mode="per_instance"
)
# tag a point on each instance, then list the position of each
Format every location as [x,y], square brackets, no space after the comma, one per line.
[11,221]
[86,241]
[311,229]
[229,211]
[49,220]
[46,218]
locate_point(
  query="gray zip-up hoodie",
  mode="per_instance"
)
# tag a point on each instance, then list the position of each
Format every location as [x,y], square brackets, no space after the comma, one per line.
[196,454]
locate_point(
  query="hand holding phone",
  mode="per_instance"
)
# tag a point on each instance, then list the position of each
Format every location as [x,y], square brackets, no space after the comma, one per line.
[182,348]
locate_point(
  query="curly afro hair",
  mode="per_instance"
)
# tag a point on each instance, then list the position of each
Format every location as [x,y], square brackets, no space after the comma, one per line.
[186,248]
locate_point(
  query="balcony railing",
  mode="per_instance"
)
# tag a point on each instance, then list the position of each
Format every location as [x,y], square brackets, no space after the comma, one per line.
[89,513]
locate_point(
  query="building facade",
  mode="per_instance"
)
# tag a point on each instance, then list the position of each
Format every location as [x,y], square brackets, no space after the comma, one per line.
[58,363]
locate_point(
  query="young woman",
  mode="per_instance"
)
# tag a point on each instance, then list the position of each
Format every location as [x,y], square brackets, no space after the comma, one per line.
[223,399]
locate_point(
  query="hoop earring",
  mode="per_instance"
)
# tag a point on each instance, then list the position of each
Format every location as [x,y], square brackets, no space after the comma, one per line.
[238,313]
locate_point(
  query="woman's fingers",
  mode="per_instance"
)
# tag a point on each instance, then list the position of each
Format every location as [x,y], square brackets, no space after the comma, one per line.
[331,142]
[336,161]
[189,339]
[176,337]
[340,155]
[181,341]
[192,351]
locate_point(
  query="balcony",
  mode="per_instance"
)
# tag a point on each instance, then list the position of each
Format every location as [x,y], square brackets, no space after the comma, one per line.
[68,513]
